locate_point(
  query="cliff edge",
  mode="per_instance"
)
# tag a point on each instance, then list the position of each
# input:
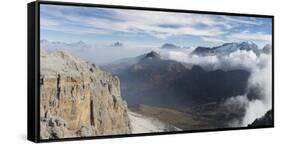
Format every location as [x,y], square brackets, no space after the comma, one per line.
[78,99]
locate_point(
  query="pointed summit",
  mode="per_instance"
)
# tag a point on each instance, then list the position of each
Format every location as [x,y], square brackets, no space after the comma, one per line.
[152,55]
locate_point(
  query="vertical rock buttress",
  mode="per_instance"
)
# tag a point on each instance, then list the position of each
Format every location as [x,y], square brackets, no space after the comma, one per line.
[78,99]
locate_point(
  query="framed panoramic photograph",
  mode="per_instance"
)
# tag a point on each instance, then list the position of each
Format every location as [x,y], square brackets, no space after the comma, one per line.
[104,71]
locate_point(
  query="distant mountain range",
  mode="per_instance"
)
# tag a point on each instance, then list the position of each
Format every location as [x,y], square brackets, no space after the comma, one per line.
[155,81]
[57,45]
[89,52]
[228,48]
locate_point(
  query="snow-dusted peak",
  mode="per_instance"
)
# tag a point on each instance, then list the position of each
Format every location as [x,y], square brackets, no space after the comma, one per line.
[228,48]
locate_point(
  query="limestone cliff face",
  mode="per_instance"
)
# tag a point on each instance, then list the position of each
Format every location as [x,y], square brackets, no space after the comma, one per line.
[79,99]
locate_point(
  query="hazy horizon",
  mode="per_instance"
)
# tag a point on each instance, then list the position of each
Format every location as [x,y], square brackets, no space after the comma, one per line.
[106,53]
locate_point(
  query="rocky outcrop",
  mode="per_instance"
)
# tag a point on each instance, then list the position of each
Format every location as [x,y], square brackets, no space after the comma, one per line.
[265,120]
[79,99]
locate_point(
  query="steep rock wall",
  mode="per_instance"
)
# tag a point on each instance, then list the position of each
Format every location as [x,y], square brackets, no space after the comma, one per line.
[79,99]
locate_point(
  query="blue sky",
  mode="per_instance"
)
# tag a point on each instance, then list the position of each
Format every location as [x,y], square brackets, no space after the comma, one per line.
[132,27]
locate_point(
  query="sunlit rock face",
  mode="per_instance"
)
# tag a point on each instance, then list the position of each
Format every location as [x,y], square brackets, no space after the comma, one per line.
[79,99]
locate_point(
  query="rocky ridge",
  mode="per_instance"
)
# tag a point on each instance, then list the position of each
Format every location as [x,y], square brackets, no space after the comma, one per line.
[227,48]
[79,99]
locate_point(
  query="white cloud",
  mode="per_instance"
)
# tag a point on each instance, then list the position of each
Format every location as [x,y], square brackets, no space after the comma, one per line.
[258,37]
[246,36]
[149,22]
[231,19]
[45,22]
[214,40]
[260,68]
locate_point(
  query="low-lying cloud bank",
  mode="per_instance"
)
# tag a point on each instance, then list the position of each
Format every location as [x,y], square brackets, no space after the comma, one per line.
[260,80]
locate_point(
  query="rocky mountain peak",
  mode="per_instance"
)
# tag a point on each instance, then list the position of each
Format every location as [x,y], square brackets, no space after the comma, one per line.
[152,55]
[248,46]
[227,48]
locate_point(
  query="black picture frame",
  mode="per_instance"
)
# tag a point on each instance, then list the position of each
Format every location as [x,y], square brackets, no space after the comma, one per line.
[33,105]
